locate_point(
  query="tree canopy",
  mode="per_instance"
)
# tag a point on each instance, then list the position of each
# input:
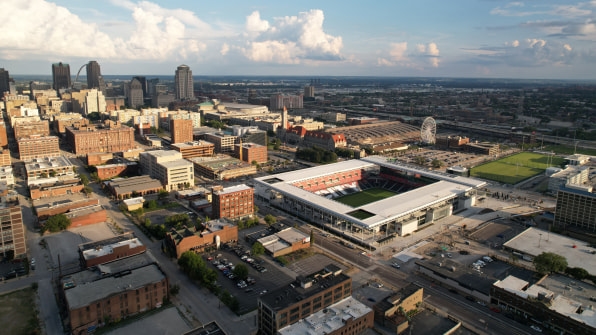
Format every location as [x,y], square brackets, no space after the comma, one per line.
[56,223]
[548,262]
[240,271]
[258,249]
[270,219]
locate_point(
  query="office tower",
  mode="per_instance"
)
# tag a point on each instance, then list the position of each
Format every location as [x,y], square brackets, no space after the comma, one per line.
[134,93]
[181,130]
[61,75]
[94,78]
[184,84]
[309,91]
[4,82]
[144,84]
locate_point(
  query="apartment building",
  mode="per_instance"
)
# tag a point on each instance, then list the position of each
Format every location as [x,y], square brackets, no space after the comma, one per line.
[224,143]
[12,230]
[31,128]
[233,202]
[38,147]
[194,149]
[251,152]
[109,138]
[181,130]
[169,167]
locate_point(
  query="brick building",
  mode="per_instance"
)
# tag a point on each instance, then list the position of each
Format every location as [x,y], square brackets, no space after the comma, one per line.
[92,299]
[47,207]
[224,143]
[181,130]
[31,128]
[233,202]
[52,187]
[307,295]
[5,157]
[38,147]
[63,120]
[389,312]
[251,152]
[12,230]
[124,188]
[222,167]
[194,149]
[87,216]
[108,250]
[117,170]
[110,138]
[3,135]
[189,239]
[97,158]
[48,167]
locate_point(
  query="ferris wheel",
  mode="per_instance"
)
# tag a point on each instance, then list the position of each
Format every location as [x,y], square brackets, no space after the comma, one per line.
[428,131]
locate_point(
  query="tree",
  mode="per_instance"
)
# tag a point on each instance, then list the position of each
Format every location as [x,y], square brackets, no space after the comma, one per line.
[419,160]
[162,194]
[257,249]
[577,273]
[84,179]
[87,190]
[548,262]
[437,163]
[312,237]
[240,271]
[56,223]
[270,219]
[151,204]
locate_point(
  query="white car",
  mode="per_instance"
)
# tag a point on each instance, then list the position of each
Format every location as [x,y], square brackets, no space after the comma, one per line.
[536,328]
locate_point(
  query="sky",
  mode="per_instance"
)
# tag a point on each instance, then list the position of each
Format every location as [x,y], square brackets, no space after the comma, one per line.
[534,39]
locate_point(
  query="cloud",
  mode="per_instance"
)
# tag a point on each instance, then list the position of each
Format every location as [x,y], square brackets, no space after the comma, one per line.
[531,52]
[254,24]
[398,51]
[295,39]
[422,54]
[225,48]
[39,28]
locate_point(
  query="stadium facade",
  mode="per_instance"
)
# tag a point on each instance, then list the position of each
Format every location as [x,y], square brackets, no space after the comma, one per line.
[417,197]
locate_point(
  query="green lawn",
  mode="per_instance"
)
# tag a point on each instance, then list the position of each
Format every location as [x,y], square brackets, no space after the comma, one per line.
[365,197]
[515,168]
[18,313]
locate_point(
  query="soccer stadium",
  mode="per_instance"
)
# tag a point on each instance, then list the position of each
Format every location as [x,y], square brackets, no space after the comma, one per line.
[369,200]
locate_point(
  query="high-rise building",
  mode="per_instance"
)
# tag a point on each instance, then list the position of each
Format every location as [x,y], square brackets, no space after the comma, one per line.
[279,101]
[576,208]
[135,93]
[184,83]
[181,130]
[61,75]
[94,78]
[95,101]
[309,91]
[109,138]
[144,84]
[4,82]
[12,229]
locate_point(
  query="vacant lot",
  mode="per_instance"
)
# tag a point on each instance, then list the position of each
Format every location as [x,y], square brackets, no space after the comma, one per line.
[365,197]
[515,168]
[18,314]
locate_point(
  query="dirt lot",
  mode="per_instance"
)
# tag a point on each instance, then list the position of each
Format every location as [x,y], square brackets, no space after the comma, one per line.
[16,315]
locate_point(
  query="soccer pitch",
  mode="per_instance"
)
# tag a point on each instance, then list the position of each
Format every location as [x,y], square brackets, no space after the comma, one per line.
[365,197]
[515,168]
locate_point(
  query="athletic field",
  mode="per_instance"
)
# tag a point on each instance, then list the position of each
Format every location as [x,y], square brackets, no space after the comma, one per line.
[365,197]
[513,169]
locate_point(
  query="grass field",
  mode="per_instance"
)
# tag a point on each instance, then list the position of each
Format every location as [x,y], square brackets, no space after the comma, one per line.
[515,168]
[365,197]
[18,314]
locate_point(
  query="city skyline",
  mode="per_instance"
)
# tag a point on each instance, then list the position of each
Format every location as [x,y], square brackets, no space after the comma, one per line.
[477,38]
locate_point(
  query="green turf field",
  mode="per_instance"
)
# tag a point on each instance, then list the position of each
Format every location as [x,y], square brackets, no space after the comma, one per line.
[365,197]
[515,168]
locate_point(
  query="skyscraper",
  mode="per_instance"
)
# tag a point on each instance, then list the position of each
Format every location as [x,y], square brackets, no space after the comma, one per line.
[4,82]
[184,84]
[61,75]
[94,78]
[134,93]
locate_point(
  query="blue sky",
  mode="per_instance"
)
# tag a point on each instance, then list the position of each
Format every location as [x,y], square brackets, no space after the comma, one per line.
[436,38]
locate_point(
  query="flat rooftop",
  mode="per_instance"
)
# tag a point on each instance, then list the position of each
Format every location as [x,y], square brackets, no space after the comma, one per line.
[561,294]
[193,144]
[84,295]
[233,189]
[328,320]
[534,241]
[47,163]
[127,185]
[105,247]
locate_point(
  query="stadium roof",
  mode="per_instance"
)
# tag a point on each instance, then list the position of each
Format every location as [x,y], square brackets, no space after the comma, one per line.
[385,210]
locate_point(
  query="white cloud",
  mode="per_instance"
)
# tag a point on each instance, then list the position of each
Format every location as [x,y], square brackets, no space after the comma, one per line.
[433,50]
[398,51]
[532,52]
[384,62]
[225,48]
[296,38]
[254,24]
[515,43]
[41,28]
[567,47]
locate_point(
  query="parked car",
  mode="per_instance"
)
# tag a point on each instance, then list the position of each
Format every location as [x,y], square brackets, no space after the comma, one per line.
[536,328]
[395,265]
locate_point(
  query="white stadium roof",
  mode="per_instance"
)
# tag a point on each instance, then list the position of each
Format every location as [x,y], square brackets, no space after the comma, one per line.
[388,209]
